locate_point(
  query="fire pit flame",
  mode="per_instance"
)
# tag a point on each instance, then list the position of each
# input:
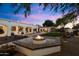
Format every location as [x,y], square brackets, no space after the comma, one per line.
[39,40]
[39,37]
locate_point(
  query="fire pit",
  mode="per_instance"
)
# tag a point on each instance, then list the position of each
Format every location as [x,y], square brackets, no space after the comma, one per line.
[39,40]
[38,46]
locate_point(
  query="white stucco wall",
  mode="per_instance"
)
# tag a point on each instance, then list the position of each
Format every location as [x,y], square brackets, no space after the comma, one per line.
[9,24]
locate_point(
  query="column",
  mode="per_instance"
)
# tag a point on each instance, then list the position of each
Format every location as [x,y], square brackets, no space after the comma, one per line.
[31,30]
[28,30]
[37,30]
[40,30]
[9,30]
[24,31]
[17,32]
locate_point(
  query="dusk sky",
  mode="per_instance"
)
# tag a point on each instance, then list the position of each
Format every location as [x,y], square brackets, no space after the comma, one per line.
[37,16]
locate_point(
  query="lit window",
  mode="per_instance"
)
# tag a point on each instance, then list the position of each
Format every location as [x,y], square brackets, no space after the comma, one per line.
[13,28]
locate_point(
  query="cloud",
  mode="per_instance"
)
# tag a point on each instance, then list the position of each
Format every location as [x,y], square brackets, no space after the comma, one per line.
[38,17]
[13,17]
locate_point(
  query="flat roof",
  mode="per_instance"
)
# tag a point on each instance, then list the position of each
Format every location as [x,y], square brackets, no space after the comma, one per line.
[14,21]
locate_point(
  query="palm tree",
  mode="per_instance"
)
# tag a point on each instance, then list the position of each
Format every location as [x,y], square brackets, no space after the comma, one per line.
[56,7]
[76,27]
[59,21]
[70,17]
[61,7]
[69,10]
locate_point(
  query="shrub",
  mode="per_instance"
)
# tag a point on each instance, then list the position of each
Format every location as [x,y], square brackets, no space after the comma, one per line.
[53,34]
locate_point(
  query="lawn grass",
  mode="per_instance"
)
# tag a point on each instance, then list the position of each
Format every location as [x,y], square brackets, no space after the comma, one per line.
[53,34]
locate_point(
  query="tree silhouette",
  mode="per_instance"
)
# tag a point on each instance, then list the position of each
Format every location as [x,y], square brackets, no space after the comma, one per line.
[48,23]
[70,17]
[56,7]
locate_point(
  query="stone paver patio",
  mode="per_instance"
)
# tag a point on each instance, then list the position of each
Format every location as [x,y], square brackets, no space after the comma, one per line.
[69,48]
[28,43]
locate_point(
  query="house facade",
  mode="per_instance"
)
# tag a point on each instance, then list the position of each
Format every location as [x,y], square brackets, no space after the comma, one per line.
[8,28]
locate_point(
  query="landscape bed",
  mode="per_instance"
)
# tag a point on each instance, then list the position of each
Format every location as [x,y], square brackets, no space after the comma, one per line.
[53,34]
